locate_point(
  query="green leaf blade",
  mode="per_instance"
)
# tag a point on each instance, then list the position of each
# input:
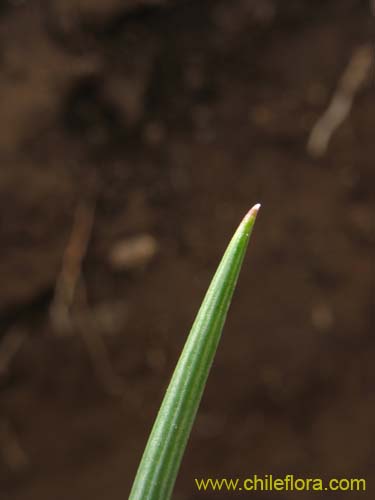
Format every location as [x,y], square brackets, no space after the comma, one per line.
[167,442]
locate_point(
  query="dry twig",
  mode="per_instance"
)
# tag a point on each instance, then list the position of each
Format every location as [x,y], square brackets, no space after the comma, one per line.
[71,291]
[339,108]
[66,284]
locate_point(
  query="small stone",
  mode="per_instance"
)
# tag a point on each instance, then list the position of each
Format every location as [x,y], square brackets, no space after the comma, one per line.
[132,253]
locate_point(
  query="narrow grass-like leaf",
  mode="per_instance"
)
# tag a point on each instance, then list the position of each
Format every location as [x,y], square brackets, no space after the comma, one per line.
[166,445]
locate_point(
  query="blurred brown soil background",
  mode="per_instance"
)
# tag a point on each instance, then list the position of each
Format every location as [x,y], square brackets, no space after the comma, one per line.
[134,136]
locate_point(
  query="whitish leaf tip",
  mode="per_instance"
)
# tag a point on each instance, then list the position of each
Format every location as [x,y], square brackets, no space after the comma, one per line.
[252,213]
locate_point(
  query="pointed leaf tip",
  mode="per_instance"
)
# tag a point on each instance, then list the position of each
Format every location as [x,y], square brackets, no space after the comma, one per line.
[252,213]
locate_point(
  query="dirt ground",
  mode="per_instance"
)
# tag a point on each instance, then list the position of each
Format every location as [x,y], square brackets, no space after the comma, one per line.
[134,136]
